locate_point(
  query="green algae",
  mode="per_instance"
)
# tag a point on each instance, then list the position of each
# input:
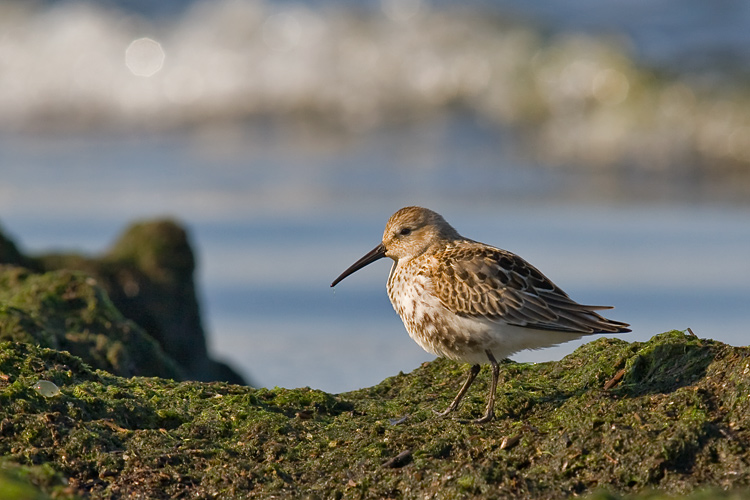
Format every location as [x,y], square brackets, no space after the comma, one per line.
[69,311]
[676,422]
[159,248]
[147,274]
[9,253]
[28,483]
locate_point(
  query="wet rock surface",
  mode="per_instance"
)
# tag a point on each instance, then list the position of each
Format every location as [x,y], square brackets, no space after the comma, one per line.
[676,419]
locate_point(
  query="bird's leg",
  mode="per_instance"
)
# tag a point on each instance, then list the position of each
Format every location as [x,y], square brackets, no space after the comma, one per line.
[472,375]
[489,414]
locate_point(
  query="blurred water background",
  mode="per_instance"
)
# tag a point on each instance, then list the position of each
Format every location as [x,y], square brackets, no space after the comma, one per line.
[606,142]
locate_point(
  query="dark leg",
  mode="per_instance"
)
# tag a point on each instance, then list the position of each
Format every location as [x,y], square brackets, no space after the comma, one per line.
[489,414]
[472,375]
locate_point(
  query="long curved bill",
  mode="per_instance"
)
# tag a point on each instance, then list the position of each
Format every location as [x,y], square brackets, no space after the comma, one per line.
[375,254]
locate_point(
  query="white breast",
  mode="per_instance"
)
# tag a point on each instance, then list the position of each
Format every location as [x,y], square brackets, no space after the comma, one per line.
[439,331]
[436,329]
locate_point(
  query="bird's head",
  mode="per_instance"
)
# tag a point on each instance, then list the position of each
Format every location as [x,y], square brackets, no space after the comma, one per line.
[409,233]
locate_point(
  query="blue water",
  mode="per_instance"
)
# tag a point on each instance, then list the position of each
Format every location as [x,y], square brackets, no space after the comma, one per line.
[685,36]
[272,228]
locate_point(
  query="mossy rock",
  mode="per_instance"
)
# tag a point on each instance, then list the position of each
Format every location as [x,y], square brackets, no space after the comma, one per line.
[9,253]
[68,311]
[678,422]
[32,483]
[148,274]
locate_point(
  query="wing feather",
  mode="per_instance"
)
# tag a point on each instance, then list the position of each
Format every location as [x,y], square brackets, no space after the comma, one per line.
[472,279]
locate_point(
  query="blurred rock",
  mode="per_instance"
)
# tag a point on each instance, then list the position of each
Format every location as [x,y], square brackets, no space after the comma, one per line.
[67,311]
[9,253]
[148,276]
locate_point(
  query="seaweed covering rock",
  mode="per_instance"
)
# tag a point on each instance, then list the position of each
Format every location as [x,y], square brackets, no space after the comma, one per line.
[67,310]
[676,419]
[148,275]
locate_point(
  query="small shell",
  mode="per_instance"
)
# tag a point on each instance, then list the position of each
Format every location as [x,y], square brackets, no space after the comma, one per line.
[46,388]
[510,441]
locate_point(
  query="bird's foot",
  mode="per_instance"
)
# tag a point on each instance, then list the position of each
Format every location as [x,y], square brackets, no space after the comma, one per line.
[486,418]
[445,413]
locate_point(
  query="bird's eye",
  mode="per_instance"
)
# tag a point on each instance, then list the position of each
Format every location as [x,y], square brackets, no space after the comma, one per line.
[405,231]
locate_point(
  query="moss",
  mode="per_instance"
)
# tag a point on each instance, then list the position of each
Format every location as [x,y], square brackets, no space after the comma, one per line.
[148,275]
[674,424]
[155,247]
[67,310]
[699,494]
[28,482]
[9,253]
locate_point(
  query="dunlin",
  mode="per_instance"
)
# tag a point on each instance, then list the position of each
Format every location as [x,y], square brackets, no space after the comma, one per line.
[471,302]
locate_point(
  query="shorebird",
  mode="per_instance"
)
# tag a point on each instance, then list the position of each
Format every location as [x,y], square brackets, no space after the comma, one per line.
[472,302]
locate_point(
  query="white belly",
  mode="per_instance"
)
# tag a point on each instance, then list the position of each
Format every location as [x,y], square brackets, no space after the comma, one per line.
[439,331]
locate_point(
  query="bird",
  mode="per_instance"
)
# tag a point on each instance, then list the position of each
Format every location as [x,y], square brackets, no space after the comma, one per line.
[472,302]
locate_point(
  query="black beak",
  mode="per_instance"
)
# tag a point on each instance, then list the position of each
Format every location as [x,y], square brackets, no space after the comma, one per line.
[376,253]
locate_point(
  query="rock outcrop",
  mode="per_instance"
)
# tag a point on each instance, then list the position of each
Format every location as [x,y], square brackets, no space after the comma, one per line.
[148,276]
[612,419]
